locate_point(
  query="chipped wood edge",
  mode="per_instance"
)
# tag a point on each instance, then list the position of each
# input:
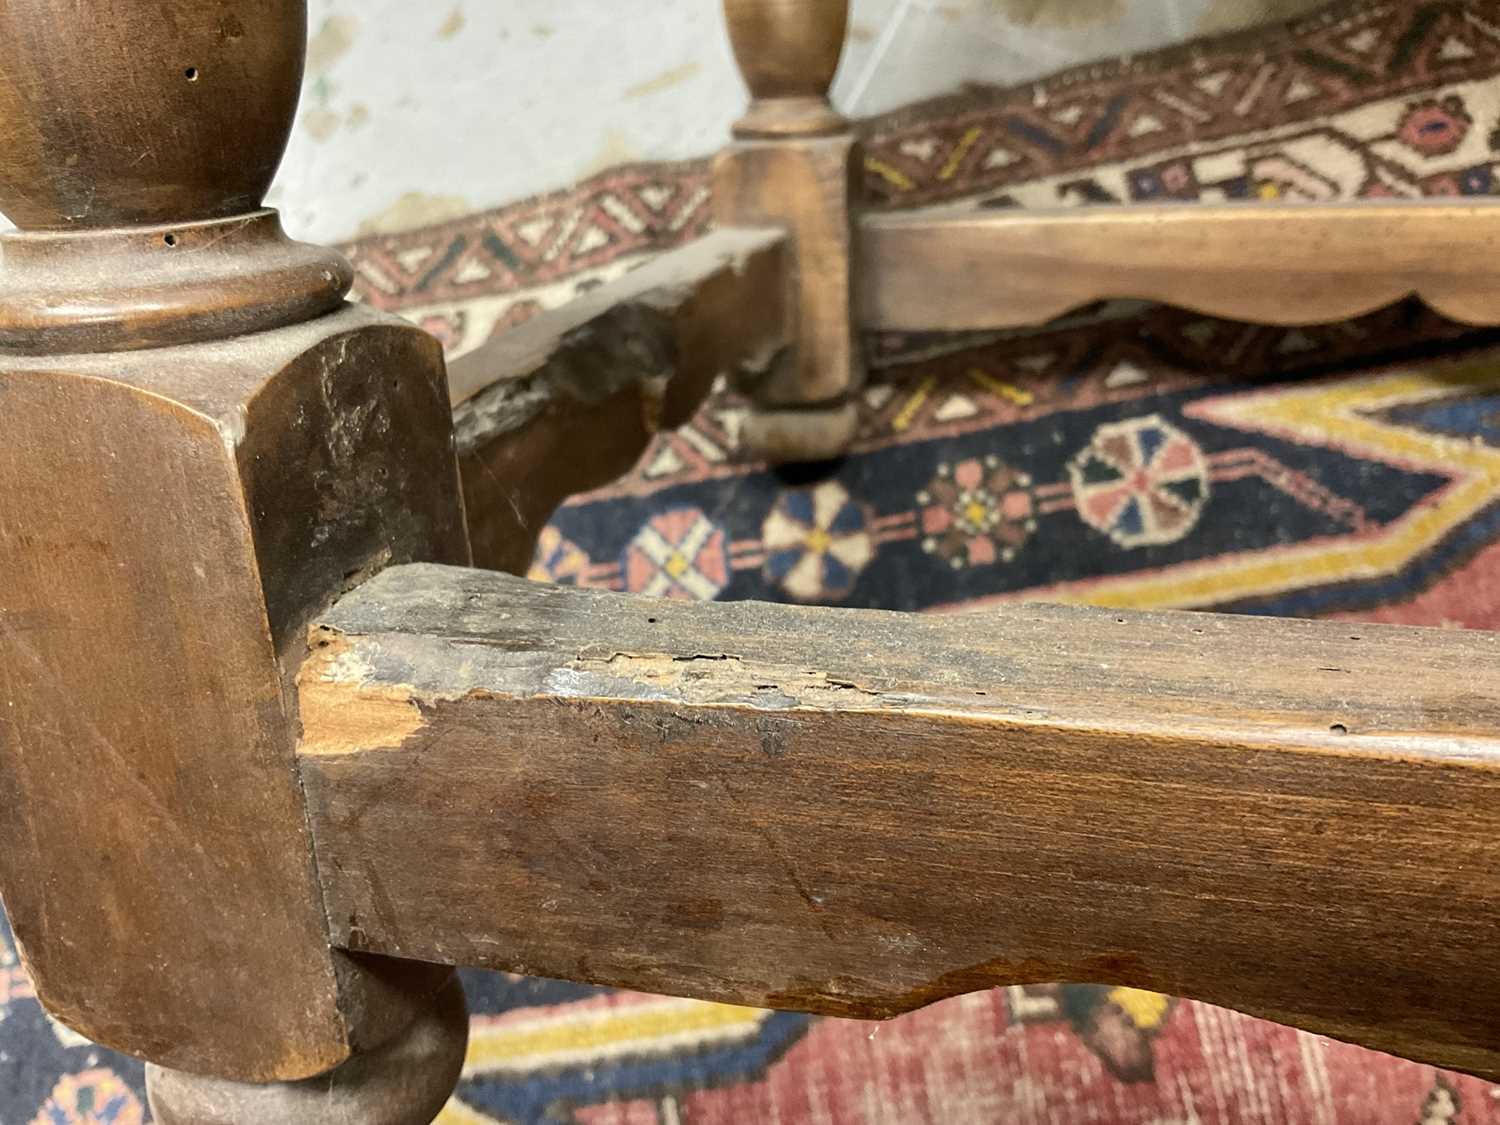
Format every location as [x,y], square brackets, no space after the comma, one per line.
[342,711]
[571,400]
[615,336]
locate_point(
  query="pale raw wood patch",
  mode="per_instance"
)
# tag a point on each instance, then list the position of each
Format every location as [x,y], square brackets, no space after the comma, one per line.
[343,712]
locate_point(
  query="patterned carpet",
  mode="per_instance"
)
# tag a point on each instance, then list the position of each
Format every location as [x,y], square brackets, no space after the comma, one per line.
[1130,455]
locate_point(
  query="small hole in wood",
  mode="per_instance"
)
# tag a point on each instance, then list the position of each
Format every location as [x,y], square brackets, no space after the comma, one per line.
[1354,638]
[170,240]
[650,621]
[1119,621]
[191,74]
[1339,728]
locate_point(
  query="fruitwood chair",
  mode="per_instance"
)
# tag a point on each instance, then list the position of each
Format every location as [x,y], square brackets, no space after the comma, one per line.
[277,753]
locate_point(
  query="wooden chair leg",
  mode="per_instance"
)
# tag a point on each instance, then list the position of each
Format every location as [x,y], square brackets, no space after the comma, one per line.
[205,445]
[404,1081]
[793,164]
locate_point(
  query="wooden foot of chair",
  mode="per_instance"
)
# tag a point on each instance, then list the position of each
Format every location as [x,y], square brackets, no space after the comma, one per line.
[405,1081]
[802,434]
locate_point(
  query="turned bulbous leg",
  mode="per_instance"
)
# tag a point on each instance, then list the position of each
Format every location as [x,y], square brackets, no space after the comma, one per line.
[794,164]
[404,1081]
[818,433]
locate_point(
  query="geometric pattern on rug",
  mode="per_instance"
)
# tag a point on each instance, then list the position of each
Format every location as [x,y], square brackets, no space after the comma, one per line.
[1295,499]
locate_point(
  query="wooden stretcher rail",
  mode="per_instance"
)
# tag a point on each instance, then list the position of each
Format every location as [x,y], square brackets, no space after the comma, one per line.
[1268,263]
[569,401]
[858,813]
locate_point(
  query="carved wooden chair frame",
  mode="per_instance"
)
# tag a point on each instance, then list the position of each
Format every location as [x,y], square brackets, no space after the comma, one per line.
[275,756]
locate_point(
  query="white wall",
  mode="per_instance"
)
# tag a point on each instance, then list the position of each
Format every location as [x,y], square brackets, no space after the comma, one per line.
[420,110]
[415,112]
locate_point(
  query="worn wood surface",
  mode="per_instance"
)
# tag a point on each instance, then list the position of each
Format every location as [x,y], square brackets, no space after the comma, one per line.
[858,813]
[167,526]
[920,271]
[570,400]
[1268,263]
[170,517]
[804,185]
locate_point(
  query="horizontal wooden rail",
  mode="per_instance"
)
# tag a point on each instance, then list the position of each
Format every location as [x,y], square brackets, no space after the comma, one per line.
[1264,262]
[858,812]
[570,400]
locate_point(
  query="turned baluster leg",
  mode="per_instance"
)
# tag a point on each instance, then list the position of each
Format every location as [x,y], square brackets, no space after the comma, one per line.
[204,444]
[793,164]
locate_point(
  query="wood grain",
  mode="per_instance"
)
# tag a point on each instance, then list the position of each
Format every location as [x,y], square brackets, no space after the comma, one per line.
[788,52]
[794,165]
[859,813]
[208,446]
[787,48]
[144,111]
[570,400]
[804,187]
[135,154]
[173,283]
[1267,263]
[167,528]
[170,517]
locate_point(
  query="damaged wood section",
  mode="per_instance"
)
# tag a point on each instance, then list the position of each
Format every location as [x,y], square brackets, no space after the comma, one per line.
[858,813]
[170,522]
[568,402]
[1267,263]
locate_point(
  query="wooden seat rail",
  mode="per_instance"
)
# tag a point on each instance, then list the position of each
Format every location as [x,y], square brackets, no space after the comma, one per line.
[857,813]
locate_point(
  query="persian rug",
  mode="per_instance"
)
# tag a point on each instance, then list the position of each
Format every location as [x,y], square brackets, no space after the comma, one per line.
[1128,455]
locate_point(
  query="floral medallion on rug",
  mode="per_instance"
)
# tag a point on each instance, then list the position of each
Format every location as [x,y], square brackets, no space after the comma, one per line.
[1128,455]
